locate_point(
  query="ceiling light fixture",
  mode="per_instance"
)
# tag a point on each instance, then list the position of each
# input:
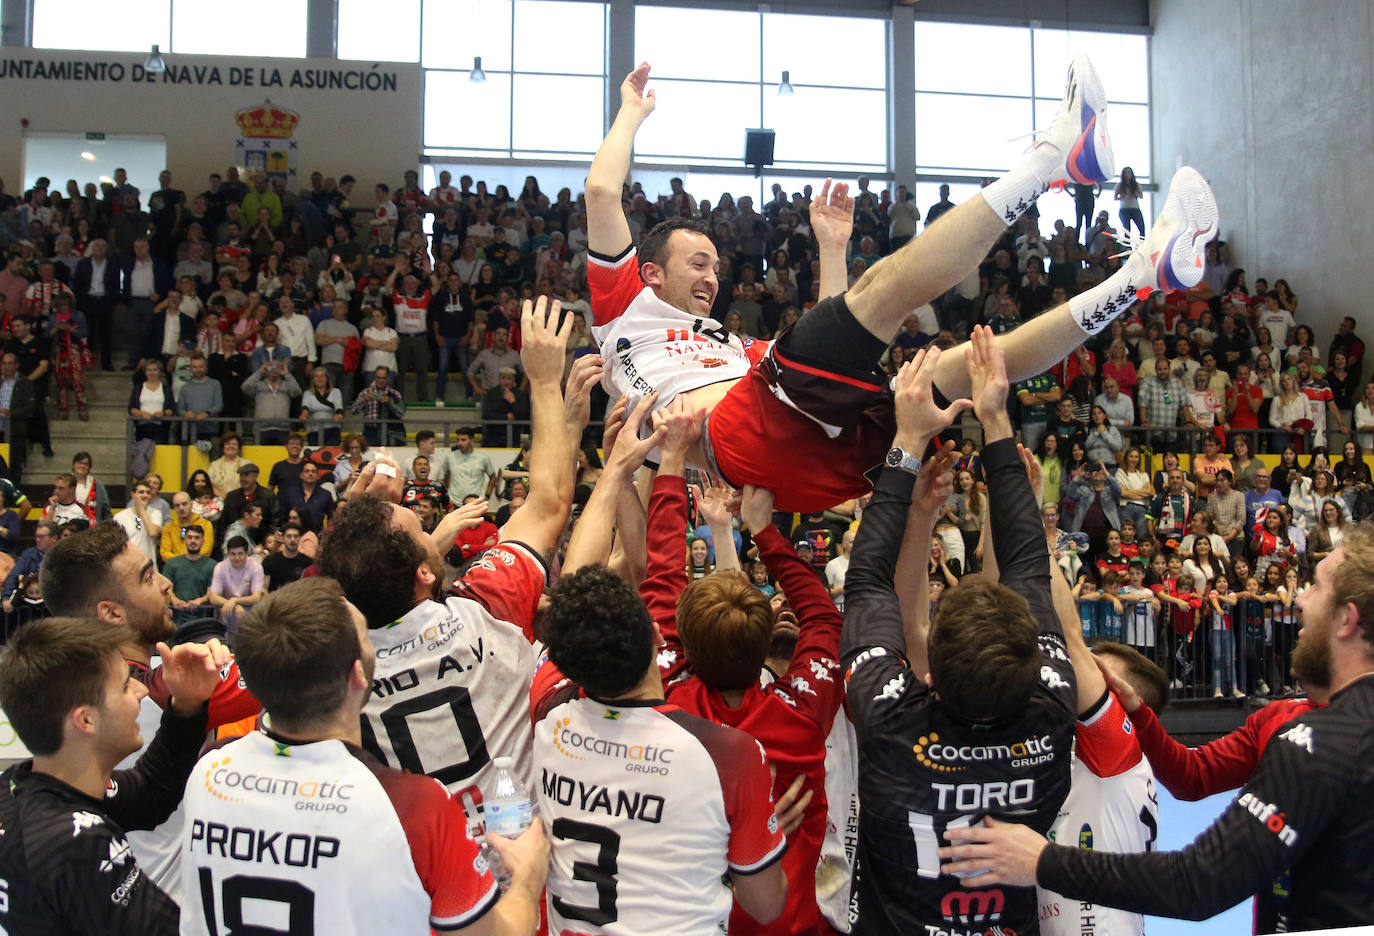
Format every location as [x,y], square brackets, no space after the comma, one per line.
[785,86]
[153,64]
[477,74]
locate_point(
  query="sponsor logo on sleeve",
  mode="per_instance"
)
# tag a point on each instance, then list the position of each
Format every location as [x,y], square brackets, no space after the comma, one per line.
[800,684]
[893,690]
[820,670]
[1270,816]
[1301,735]
[85,820]
[120,854]
[1051,679]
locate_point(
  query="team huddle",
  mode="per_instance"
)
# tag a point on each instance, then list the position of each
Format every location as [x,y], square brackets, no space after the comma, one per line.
[700,757]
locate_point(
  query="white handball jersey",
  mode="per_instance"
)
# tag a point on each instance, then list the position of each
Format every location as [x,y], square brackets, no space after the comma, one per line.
[453,677]
[650,346]
[648,808]
[320,838]
[1112,807]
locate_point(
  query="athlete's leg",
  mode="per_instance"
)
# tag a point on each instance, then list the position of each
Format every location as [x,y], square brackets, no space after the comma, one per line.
[1075,148]
[1171,258]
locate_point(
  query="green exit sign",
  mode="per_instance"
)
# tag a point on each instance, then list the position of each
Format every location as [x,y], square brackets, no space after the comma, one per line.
[95,136]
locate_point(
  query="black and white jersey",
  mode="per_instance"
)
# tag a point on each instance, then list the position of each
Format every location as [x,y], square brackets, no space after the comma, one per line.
[923,769]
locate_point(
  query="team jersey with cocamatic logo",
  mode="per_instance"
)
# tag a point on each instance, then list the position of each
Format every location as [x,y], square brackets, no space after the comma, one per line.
[453,677]
[923,769]
[320,838]
[1309,808]
[650,346]
[1111,807]
[647,808]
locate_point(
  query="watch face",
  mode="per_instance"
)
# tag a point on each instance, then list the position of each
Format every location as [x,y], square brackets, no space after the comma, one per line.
[894,457]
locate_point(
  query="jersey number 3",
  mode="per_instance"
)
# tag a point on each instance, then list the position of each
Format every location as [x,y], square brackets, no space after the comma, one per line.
[601,872]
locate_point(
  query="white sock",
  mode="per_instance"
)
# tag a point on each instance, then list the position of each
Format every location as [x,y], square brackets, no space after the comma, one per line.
[1094,309]
[1012,194]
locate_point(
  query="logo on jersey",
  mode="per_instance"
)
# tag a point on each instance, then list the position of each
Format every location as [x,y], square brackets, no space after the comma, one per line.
[120,853]
[622,345]
[122,894]
[1300,735]
[893,689]
[1024,753]
[1269,814]
[639,758]
[666,658]
[862,658]
[773,824]
[820,669]
[85,820]
[1053,680]
[800,684]
[1085,837]
[973,906]
[227,783]
[611,715]
[112,788]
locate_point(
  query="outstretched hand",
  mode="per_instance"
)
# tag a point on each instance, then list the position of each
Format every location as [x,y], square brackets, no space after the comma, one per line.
[756,507]
[935,482]
[192,672]
[717,502]
[627,451]
[996,853]
[832,214]
[1034,472]
[681,425]
[918,418]
[543,339]
[987,371]
[577,395]
[633,96]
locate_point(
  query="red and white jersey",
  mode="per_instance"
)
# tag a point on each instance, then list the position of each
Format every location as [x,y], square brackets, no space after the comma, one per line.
[649,346]
[1112,807]
[384,213]
[453,677]
[1318,396]
[444,196]
[411,312]
[158,850]
[320,838]
[647,808]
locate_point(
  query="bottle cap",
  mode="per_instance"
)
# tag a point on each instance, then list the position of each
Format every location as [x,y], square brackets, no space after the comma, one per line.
[503,763]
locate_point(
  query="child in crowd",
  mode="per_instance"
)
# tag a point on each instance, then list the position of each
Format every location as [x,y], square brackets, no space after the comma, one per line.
[1141,617]
[1222,602]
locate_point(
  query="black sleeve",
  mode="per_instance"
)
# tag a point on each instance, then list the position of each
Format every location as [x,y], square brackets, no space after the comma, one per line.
[873,643]
[1301,786]
[143,796]
[1019,538]
[99,888]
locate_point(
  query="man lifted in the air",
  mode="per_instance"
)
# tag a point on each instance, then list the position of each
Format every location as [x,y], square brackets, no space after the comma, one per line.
[815,396]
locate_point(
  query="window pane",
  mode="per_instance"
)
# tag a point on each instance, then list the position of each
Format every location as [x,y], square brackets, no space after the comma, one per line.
[88,24]
[862,142]
[464,115]
[1129,127]
[699,120]
[679,43]
[973,59]
[789,41]
[364,35]
[558,36]
[560,114]
[260,28]
[970,133]
[1121,61]
[457,30]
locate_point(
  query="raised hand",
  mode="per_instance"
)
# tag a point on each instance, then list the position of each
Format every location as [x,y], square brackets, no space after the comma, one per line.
[543,341]
[935,482]
[611,431]
[381,476]
[756,507]
[832,214]
[1034,472]
[681,424]
[918,418]
[633,95]
[577,396]
[627,451]
[987,371]
[715,503]
[192,672]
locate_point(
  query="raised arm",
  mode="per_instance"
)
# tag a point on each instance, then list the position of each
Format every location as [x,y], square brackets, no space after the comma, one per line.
[832,221]
[608,233]
[552,466]
[933,486]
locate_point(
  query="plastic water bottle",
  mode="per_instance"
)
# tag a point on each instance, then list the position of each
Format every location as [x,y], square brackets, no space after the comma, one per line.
[508,812]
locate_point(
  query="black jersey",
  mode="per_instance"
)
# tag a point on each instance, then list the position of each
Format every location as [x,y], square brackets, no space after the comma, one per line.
[65,865]
[1309,808]
[922,768]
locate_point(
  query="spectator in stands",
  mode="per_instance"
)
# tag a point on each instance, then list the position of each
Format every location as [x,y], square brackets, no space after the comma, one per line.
[1171,511]
[297,335]
[1207,464]
[466,471]
[96,283]
[249,526]
[287,566]
[30,561]
[150,404]
[190,573]
[380,340]
[379,404]
[237,582]
[34,354]
[310,495]
[269,349]
[286,473]
[348,468]
[1161,403]
[1036,395]
[1103,440]
[1117,406]
[248,492]
[505,411]
[940,207]
[332,337]
[139,523]
[1095,494]
[322,408]
[485,371]
[272,388]
[184,519]
[1348,343]
[1066,425]
[17,404]
[201,399]
[1260,497]
[1226,507]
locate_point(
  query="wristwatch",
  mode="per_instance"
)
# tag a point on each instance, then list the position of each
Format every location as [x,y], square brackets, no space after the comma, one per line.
[898,457]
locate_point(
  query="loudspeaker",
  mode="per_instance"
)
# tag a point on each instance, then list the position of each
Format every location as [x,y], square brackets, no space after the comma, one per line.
[758,147]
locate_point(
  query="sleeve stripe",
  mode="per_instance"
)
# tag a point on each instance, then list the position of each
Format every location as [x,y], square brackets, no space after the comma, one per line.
[449,924]
[764,863]
[1099,708]
[611,262]
[528,551]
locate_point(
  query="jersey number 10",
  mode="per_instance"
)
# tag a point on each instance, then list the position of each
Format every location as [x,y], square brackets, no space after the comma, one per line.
[394,722]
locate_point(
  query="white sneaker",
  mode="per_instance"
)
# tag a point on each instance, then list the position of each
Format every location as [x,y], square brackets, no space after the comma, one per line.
[1173,255]
[1079,131]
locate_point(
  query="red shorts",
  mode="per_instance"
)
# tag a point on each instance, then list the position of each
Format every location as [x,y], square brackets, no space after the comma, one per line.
[758,439]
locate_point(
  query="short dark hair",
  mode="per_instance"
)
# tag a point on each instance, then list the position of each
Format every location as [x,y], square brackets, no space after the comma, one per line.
[296,648]
[653,248]
[726,625]
[49,668]
[598,631]
[984,649]
[1142,674]
[77,572]
[373,561]
[424,435]
[236,542]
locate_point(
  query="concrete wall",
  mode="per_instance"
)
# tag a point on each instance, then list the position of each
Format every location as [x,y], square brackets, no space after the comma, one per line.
[367,125]
[1271,101]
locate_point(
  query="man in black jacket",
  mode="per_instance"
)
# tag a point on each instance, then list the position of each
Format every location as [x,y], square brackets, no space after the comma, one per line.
[74,703]
[97,287]
[17,404]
